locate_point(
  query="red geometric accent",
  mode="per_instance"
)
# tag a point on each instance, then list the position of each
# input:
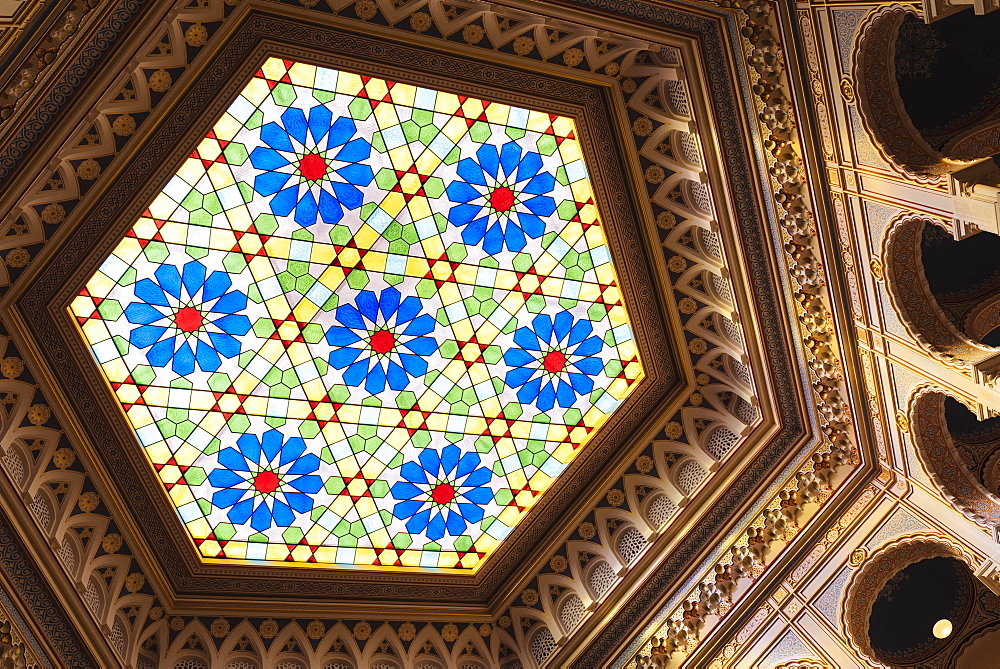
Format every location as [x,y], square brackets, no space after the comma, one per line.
[382,341]
[189,319]
[502,199]
[443,493]
[313,166]
[554,362]
[266,482]
[516,491]
[357,477]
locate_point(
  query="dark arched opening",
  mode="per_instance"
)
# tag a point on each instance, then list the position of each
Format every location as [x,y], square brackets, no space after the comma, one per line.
[948,76]
[964,278]
[901,627]
[977,442]
[930,95]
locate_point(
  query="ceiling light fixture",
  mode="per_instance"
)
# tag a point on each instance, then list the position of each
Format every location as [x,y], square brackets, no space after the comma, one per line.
[942,628]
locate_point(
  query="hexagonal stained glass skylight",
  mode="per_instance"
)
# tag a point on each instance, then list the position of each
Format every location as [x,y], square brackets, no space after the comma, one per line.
[365,323]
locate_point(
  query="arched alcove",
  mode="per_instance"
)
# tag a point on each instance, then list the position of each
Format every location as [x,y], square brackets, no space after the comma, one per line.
[912,602]
[946,77]
[951,458]
[571,612]
[950,313]
[925,92]
[881,588]
[542,645]
[970,298]
[916,603]
[977,442]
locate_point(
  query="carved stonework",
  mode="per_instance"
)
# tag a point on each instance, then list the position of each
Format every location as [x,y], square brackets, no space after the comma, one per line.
[608,542]
[716,416]
[15,653]
[885,116]
[677,632]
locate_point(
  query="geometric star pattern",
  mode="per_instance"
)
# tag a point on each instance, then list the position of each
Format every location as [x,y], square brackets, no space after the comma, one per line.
[365,324]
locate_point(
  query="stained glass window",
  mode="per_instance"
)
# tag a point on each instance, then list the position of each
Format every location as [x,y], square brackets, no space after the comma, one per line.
[366,323]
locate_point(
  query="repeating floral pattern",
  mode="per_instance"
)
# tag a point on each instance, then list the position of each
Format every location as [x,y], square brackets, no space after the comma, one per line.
[555,360]
[312,165]
[381,340]
[443,492]
[188,318]
[266,481]
[365,323]
[503,196]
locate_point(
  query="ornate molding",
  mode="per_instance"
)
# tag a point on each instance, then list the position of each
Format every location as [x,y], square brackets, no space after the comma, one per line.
[18,646]
[713,597]
[788,186]
[844,525]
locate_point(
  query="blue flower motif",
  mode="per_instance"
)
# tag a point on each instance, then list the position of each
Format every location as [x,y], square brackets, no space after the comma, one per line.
[555,362]
[265,480]
[502,196]
[374,351]
[321,160]
[184,309]
[442,493]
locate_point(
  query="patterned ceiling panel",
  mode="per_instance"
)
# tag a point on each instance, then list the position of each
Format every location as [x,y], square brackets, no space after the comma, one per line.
[365,323]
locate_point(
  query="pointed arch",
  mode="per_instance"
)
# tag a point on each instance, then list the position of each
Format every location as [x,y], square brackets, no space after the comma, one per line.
[280,657]
[339,647]
[159,634]
[374,656]
[429,638]
[471,638]
[243,629]
[180,655]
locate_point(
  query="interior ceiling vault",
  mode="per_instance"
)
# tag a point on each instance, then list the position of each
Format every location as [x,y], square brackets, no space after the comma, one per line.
[724,431]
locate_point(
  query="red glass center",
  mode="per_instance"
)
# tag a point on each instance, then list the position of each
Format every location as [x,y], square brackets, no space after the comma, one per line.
[313,166]
[265,482]
[554,362]
[188,319]
[443,493]
[502,199]
[382,341]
